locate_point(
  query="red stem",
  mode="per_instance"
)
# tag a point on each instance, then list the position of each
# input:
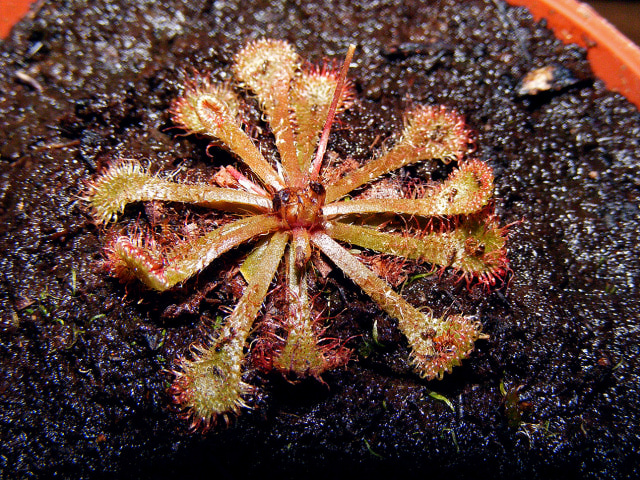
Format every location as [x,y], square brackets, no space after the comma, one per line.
[324,139]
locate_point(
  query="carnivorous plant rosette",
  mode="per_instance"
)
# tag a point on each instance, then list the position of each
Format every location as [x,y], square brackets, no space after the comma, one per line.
[300,208]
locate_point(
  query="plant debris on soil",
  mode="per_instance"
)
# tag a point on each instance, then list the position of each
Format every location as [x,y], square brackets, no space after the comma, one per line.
[554,391]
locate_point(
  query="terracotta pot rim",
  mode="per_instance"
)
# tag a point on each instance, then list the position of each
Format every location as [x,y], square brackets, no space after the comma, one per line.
[614,58]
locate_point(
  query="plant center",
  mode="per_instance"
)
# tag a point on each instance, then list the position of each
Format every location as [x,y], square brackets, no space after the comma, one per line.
[300,207]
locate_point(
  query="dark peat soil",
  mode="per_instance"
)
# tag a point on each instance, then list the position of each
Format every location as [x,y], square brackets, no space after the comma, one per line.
[553,393]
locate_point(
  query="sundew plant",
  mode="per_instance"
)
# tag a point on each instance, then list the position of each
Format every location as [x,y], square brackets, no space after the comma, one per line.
[304,206]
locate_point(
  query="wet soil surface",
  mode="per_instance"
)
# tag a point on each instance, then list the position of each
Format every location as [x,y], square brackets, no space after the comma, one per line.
[554,391]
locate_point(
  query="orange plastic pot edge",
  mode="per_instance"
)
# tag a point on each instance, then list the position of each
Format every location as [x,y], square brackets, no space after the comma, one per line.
[11,11]
[613,57]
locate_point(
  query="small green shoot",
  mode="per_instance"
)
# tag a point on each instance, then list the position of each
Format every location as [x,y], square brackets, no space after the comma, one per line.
[163,337]
[74,282]
[374,334]
[512,407]
[452,433]
[610,288]
[76,332]
[96,317]
[418,276]
[366,348]
[413,278]
[366,443]
[442,398]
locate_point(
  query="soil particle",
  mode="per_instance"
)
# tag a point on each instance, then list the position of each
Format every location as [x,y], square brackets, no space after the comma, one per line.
[553,392]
